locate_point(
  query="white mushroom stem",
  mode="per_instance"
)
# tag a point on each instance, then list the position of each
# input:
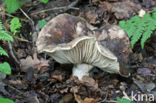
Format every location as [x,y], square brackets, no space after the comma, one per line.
[81,70]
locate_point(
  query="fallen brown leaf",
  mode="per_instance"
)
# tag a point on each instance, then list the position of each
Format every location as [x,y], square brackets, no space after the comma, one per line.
[91,100]
[78,98]
[74,89]
[90,82]
[34,63]
[126,9]
[86,100]
[64,90]
[57,77]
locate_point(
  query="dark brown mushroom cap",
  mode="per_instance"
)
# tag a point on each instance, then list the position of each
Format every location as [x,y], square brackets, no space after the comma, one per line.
[62,29]
[116,40]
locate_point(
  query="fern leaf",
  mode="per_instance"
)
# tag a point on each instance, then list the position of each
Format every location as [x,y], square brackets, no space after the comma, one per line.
[133,25]
[5,36]
[3,52]
[15,24]
[154,13]
[138,32]
[148,32]
[1,27]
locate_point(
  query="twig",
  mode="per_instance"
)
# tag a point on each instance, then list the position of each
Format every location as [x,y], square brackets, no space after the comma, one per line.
[27,16]
[9,15]
[33,26]
[65,8]
[56,8]
[21,93]
[12,53]
[21,39]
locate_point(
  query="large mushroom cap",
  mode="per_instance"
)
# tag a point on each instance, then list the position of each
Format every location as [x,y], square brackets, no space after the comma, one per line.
[70,39]
[61,30]
[116,40]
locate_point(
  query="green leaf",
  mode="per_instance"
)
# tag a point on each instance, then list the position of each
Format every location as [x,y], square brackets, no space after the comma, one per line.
[6,100]
[44,1]
[124,100]
[3,52]
[15,24]
[5,68]
[140,28]
[12,5]
[41,23]
[4,34]
[154,13]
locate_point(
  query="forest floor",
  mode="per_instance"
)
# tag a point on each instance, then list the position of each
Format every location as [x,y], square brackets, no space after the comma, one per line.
[37,78]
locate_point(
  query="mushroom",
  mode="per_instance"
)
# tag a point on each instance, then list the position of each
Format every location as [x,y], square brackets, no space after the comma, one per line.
[116,40]
[71,40]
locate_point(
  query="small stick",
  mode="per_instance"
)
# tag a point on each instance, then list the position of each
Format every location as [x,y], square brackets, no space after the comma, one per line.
[56,8]
[21,39]
[27,16]
[32,24]
[13,16]
[12,53]
[71,6]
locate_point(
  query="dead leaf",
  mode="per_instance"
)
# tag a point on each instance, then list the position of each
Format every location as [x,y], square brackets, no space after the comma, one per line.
[91,100]
[57,77]
[86,100]
[74,89]
[78,98]
[64,90]
[124,10]
[68,98]
[90,82]
[33,62]
[144,71]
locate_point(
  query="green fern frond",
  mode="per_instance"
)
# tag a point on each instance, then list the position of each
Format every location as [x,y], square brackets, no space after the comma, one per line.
[4,67]
[3,52]
[137,27]
[154,13]
[151,26]
[132,26]
[1,27]
[4,34]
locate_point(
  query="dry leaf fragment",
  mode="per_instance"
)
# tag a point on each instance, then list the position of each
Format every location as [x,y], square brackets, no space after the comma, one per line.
[33,62]
[90,82]
[86,100]
[57,77]
[126,9]
[91,100]
[64,90]
[78,98]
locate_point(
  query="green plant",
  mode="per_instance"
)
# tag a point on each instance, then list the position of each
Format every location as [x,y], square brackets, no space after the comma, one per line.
[15,25]
[5,100]
[41,23]
[123,100]
[4,67]
[12,5]
[137,27]
[44,1]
